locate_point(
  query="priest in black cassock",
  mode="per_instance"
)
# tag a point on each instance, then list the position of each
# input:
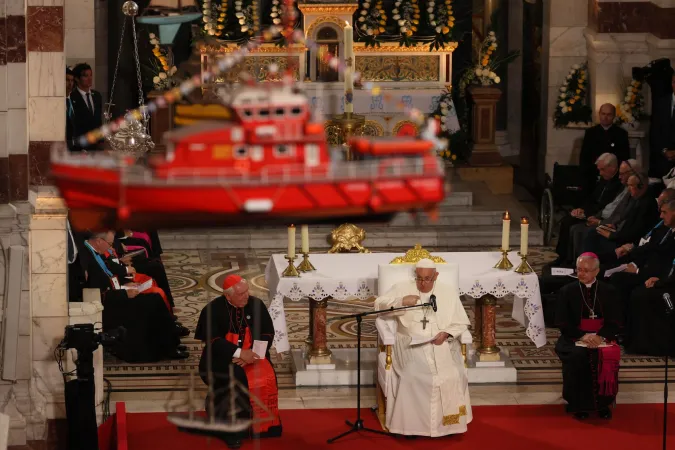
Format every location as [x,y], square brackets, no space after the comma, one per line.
[237,322]
[606,137]
[589,318]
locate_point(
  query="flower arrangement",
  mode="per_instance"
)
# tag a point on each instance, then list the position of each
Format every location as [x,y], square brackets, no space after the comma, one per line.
[487,62]
[407,16]
[279,14]
[572,107]
[214,14]
[631,109]
[247,15]
[441,19]
[372,21]
[450,128]
[164,78]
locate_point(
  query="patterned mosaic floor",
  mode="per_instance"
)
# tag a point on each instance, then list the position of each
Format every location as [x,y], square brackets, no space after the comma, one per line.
[196,274]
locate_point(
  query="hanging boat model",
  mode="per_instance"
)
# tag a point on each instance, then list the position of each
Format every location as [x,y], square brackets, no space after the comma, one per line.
[269,163]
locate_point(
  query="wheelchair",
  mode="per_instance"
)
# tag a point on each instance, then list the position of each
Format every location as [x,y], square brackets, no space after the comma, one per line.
[563,193]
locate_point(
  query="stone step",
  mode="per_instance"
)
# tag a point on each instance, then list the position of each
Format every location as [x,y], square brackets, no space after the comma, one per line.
[376,237]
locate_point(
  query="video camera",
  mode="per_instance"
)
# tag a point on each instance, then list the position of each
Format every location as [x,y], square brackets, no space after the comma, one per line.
[85,340]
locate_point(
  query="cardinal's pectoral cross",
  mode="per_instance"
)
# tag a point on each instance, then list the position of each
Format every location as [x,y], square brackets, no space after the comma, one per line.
[592,316]
[424,322]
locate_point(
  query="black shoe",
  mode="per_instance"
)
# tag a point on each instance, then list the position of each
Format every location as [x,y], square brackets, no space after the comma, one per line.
[182,348]
[182,331]
[605,413]
[233,442]
[582,415]
[411,437]
[178,354]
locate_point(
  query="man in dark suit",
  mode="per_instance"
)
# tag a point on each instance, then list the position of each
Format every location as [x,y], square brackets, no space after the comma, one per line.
[87,106]
[662,135]
[602,138]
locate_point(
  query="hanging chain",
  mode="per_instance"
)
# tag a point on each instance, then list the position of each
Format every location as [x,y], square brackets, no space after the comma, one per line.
[117,64]
[138,65]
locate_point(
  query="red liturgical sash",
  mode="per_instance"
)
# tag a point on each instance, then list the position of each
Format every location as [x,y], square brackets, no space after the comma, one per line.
[262,384]
[608,360]
[141,278]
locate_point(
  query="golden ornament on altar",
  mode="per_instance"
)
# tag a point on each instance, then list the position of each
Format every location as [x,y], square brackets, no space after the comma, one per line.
[346,238]
[414,255]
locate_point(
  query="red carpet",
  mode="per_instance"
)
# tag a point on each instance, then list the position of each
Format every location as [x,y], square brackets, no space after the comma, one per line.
[540,427]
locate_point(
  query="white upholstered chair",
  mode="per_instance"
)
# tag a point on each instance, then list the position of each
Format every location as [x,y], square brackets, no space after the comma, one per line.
[388,276]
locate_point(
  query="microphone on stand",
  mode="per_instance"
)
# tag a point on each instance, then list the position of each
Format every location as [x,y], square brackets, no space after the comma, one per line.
[432,301]
[669,303]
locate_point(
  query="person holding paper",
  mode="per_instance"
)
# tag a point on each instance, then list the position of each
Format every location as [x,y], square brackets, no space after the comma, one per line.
[241,334]
[589,318]
[151,333]
[429,387]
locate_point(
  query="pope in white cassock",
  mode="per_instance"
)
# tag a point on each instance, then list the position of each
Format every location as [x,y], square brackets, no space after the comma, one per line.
[429,392]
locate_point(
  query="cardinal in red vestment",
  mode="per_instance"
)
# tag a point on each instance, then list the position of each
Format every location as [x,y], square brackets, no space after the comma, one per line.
[237,321]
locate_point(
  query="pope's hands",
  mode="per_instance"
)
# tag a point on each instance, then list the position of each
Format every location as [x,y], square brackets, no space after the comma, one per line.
[651,282]
[410,300]
[440,338]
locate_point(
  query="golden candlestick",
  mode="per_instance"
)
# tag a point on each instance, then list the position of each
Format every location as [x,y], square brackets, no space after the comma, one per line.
[290,271]
[504,263]
[524,266]
[305,265]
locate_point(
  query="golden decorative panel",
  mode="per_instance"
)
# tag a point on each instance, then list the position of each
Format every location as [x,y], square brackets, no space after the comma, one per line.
[264,48]
[414,255]
[258,67]
[323,20]
[394,47]
[399,68]
[333,134]
[372,128]
[336,8]
[401,124]
[453,419]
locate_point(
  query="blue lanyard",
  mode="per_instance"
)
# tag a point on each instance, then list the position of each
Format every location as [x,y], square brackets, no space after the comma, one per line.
[652,230]
[100,262]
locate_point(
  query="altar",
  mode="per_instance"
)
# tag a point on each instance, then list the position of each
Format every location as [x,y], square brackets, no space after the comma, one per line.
[347,276]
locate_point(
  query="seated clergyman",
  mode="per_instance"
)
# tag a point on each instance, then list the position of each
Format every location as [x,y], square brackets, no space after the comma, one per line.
[589,316]
[428,394]
[237,321]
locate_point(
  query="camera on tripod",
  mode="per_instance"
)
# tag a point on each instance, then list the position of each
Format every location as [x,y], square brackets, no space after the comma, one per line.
[83,338]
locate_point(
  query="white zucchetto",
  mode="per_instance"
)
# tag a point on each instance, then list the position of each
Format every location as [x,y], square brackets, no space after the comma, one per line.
[425,263]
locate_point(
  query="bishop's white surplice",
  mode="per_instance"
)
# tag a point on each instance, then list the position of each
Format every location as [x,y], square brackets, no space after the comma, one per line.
[429,391]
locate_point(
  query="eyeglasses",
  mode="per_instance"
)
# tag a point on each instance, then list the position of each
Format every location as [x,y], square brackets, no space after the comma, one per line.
[424,279]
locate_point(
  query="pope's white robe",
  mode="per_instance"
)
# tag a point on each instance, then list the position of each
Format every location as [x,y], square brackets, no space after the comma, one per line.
[429,391]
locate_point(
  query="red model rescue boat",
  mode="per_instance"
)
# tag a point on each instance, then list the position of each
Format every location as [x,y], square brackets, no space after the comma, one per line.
[270,163]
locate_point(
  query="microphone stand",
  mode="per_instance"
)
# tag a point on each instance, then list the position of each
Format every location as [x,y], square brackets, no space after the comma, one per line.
[665,382]
[357,425]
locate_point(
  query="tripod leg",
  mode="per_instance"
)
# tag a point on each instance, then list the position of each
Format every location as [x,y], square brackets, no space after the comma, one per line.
[331,440]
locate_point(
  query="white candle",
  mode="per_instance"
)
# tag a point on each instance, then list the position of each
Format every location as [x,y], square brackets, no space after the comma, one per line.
[291,241]
[304,232]
[524,227]
[349,69]
[506,229]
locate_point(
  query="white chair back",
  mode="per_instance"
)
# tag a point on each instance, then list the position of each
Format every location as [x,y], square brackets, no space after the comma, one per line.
[390,274]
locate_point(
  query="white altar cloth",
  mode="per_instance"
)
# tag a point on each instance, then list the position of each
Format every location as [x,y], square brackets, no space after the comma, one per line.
[354,275]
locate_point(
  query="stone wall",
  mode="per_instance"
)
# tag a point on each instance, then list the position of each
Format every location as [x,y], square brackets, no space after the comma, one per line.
[613,36]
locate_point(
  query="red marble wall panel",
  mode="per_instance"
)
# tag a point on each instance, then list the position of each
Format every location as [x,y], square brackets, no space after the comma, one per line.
[45,28]
[18,177]
[16,39]
[631,17]
[38,162]
[4,180]
[3,41]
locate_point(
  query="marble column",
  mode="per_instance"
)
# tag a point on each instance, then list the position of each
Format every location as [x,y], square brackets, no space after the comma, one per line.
[79,32]
[46,84]
[488,350]
[319,353]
